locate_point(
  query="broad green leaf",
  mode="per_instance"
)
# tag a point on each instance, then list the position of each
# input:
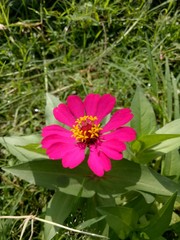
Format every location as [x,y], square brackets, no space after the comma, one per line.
[51,103]
[152,140]
[176,227]
[35,147]
[125,175]
[122,220]
[139,203]
[144,121]
[58,210]
[89,222]
[149,147]
[14,146]
[51,174]
[171,164]
[170,128]
[147,144]
[148,197]
[160,222]
[171,144]
[91,218]
[167,146]
[136,146]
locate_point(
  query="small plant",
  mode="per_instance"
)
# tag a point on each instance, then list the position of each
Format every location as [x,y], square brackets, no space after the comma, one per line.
[131,200]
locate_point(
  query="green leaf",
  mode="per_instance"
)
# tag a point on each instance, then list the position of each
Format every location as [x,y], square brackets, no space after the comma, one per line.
[175,96]
[124,176]
[58,210]
[51,174]
[170,128]
[122,220]
[160,222]
[171,144]
[144,121]
[14,146]
[51,103]
[168,89]
[136,146]
[171,164]
[149,141]
[35,147]
[91,218]
[167,145]
[139,203]
[176,227]
[148,197]
[147,144]
[148,147]
[89,222]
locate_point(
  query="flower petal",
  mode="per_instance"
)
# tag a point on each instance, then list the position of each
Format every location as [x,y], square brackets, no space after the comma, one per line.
[75,105]
[63,115]
[105,106]
[90,104]
[59,150]
[94,162]
[114,144]
[112,149]
[118,119]
[73,158]
[124,134]
[55,152]
[55,129]
[52,139]
[105,161]
[113,154]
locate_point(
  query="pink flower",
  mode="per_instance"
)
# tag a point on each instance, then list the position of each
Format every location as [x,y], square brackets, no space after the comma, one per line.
[87,132]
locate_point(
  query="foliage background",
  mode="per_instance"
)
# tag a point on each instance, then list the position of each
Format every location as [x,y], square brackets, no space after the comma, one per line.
[78,47]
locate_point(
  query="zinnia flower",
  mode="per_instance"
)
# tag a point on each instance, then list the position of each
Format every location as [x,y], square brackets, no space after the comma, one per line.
[86,132]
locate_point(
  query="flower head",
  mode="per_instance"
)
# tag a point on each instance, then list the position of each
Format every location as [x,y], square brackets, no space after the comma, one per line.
[86,131]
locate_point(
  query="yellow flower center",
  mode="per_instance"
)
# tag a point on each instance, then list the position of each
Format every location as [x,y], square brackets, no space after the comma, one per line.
[86,130]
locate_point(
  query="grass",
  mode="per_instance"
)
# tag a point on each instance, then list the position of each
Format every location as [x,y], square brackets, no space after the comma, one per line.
[77,47]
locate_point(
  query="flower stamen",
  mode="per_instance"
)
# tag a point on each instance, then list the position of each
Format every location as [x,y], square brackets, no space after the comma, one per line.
[86,130]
